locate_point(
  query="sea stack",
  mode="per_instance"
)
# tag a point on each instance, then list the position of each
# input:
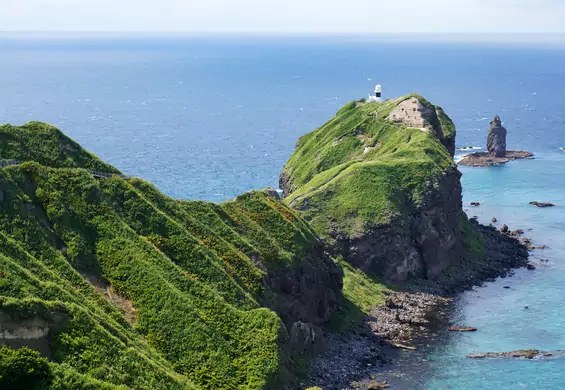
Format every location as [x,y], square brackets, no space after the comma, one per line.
[496,149]
[496,140]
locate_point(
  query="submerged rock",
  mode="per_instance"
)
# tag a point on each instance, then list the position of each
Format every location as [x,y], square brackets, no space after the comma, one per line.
[462,329]
[496,140]
[523,353]
[542,205]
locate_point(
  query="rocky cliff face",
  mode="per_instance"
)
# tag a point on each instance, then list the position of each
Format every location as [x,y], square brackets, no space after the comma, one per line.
[419,244]
[496,140]
[394,211]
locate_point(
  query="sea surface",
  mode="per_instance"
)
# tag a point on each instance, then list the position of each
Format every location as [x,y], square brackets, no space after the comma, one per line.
[209,118]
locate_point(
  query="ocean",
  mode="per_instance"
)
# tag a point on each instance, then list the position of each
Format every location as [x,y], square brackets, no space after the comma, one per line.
[210,118]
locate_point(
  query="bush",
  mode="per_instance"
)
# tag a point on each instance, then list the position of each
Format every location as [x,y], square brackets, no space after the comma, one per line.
[23,369]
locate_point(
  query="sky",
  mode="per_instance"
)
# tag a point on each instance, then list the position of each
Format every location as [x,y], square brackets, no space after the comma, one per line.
[285,16]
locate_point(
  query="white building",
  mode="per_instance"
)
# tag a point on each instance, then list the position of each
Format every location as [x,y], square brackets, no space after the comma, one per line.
[377,96]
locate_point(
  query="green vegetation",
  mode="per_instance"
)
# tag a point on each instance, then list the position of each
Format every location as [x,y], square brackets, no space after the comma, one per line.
[361,170]
[23,369]
[36,141]
[362,292]
[138,290]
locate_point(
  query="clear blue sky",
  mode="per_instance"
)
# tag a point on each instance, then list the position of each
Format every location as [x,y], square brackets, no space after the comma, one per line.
[285,16]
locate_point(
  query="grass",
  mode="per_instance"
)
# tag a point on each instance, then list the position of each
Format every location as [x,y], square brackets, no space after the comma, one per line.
[47,145]
[192,273]
[361,292]
[360,170]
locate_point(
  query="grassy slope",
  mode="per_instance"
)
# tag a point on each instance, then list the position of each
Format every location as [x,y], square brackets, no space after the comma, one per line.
[360,170]
[187,268]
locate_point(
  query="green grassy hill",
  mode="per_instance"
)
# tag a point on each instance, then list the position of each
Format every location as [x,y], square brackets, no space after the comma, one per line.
[120,286]
[379,185]
[361,169]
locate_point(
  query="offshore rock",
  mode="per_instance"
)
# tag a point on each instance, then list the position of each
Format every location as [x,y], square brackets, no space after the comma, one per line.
[523,353]
[496,153]
[496,140]
[542,205]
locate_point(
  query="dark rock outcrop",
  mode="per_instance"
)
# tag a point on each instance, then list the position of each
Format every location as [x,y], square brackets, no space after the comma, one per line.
[523,353]
[420,244]
[484,159]
[542,205]
[307,294]
[496,140]
[33,332]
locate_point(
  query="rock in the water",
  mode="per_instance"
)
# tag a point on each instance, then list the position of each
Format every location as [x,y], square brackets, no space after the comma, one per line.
[523,353]
[530,266]
[475,204]
[504,229]
[462,329]
[494,220]
[540,204]
[496,140]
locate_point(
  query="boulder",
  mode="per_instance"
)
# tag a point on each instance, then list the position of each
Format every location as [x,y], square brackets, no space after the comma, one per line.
[496,140]
[306,339]
[504,229]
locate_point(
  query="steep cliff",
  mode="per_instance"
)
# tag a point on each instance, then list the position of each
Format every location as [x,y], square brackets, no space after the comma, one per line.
[379,185]
[120,285]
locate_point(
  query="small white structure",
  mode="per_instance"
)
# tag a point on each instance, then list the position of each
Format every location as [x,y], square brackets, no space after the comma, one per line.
[377,97]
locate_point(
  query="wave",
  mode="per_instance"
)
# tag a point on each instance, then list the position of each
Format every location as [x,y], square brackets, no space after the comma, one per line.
[458,158]
[470,148]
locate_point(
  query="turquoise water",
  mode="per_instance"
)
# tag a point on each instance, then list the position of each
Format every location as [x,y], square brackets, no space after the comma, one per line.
[499,314]
[211,118]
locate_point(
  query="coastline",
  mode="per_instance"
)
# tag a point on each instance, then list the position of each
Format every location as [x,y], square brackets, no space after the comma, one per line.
[379,349]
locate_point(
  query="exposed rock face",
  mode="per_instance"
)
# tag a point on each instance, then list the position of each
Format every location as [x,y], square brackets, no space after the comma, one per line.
[308,293]
[29,332]
[496,140]
[414,113]
[306,339]
[420,244]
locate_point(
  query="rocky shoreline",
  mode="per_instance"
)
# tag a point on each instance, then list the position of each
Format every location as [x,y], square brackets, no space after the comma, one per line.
[411,318]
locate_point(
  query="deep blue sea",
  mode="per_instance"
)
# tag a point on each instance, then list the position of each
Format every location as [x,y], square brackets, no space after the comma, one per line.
[209,118]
